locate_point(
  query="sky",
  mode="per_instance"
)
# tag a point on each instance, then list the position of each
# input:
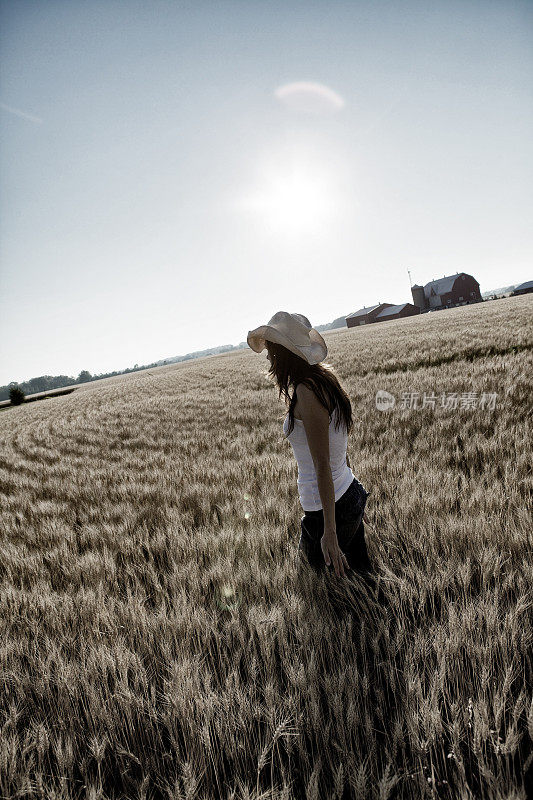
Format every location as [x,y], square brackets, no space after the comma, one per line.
[174,173]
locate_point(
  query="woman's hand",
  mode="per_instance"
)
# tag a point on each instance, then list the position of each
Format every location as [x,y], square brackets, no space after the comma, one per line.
[332,552]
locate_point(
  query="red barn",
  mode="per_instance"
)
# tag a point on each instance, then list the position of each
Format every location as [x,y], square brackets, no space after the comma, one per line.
[365,315]
[453,290]
[396,312]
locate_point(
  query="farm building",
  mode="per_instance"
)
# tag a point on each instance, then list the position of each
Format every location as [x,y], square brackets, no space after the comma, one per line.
[524,288]
[365,315]
[396,312]
[453,290]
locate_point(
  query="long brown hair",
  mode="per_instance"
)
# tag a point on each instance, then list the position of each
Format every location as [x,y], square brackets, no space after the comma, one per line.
[288,370]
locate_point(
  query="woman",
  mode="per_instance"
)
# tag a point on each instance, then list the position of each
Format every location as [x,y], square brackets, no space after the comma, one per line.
[317,425]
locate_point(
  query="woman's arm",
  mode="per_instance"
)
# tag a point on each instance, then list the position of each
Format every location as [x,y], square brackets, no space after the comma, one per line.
[315,418]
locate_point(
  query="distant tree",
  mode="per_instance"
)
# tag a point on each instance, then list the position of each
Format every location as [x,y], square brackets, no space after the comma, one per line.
[40,384]
[84,376]
[16,395]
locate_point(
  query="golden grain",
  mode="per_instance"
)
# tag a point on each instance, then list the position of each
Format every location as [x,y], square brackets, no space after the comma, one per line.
[161,638]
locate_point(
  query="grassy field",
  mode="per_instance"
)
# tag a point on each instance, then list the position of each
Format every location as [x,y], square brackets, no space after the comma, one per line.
[160,636]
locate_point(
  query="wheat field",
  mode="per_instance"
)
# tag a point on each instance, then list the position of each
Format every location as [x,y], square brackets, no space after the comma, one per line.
[161,637]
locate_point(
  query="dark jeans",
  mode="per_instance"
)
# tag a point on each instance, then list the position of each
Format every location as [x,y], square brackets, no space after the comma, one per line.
[349,510]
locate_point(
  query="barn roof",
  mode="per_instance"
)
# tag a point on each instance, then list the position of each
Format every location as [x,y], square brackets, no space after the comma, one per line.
[442,286]
[363,311]
[387,312]
[526,285]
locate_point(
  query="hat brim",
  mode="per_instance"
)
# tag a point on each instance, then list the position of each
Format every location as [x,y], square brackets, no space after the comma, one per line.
[313,353]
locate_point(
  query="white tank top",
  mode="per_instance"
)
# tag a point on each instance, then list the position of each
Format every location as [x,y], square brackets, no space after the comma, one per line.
[340,471]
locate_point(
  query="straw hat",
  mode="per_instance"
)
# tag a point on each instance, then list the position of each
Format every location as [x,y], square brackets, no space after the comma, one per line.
[294,332]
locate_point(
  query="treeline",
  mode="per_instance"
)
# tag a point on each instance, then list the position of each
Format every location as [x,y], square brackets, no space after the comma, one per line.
[45,383]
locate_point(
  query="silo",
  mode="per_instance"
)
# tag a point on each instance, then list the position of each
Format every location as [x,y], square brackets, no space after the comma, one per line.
[418,296]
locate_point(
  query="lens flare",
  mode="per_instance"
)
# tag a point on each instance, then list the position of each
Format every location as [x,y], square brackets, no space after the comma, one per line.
[310,98]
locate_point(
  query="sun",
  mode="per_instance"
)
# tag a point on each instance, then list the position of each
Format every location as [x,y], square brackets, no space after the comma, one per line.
[292,196]
[297,201]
